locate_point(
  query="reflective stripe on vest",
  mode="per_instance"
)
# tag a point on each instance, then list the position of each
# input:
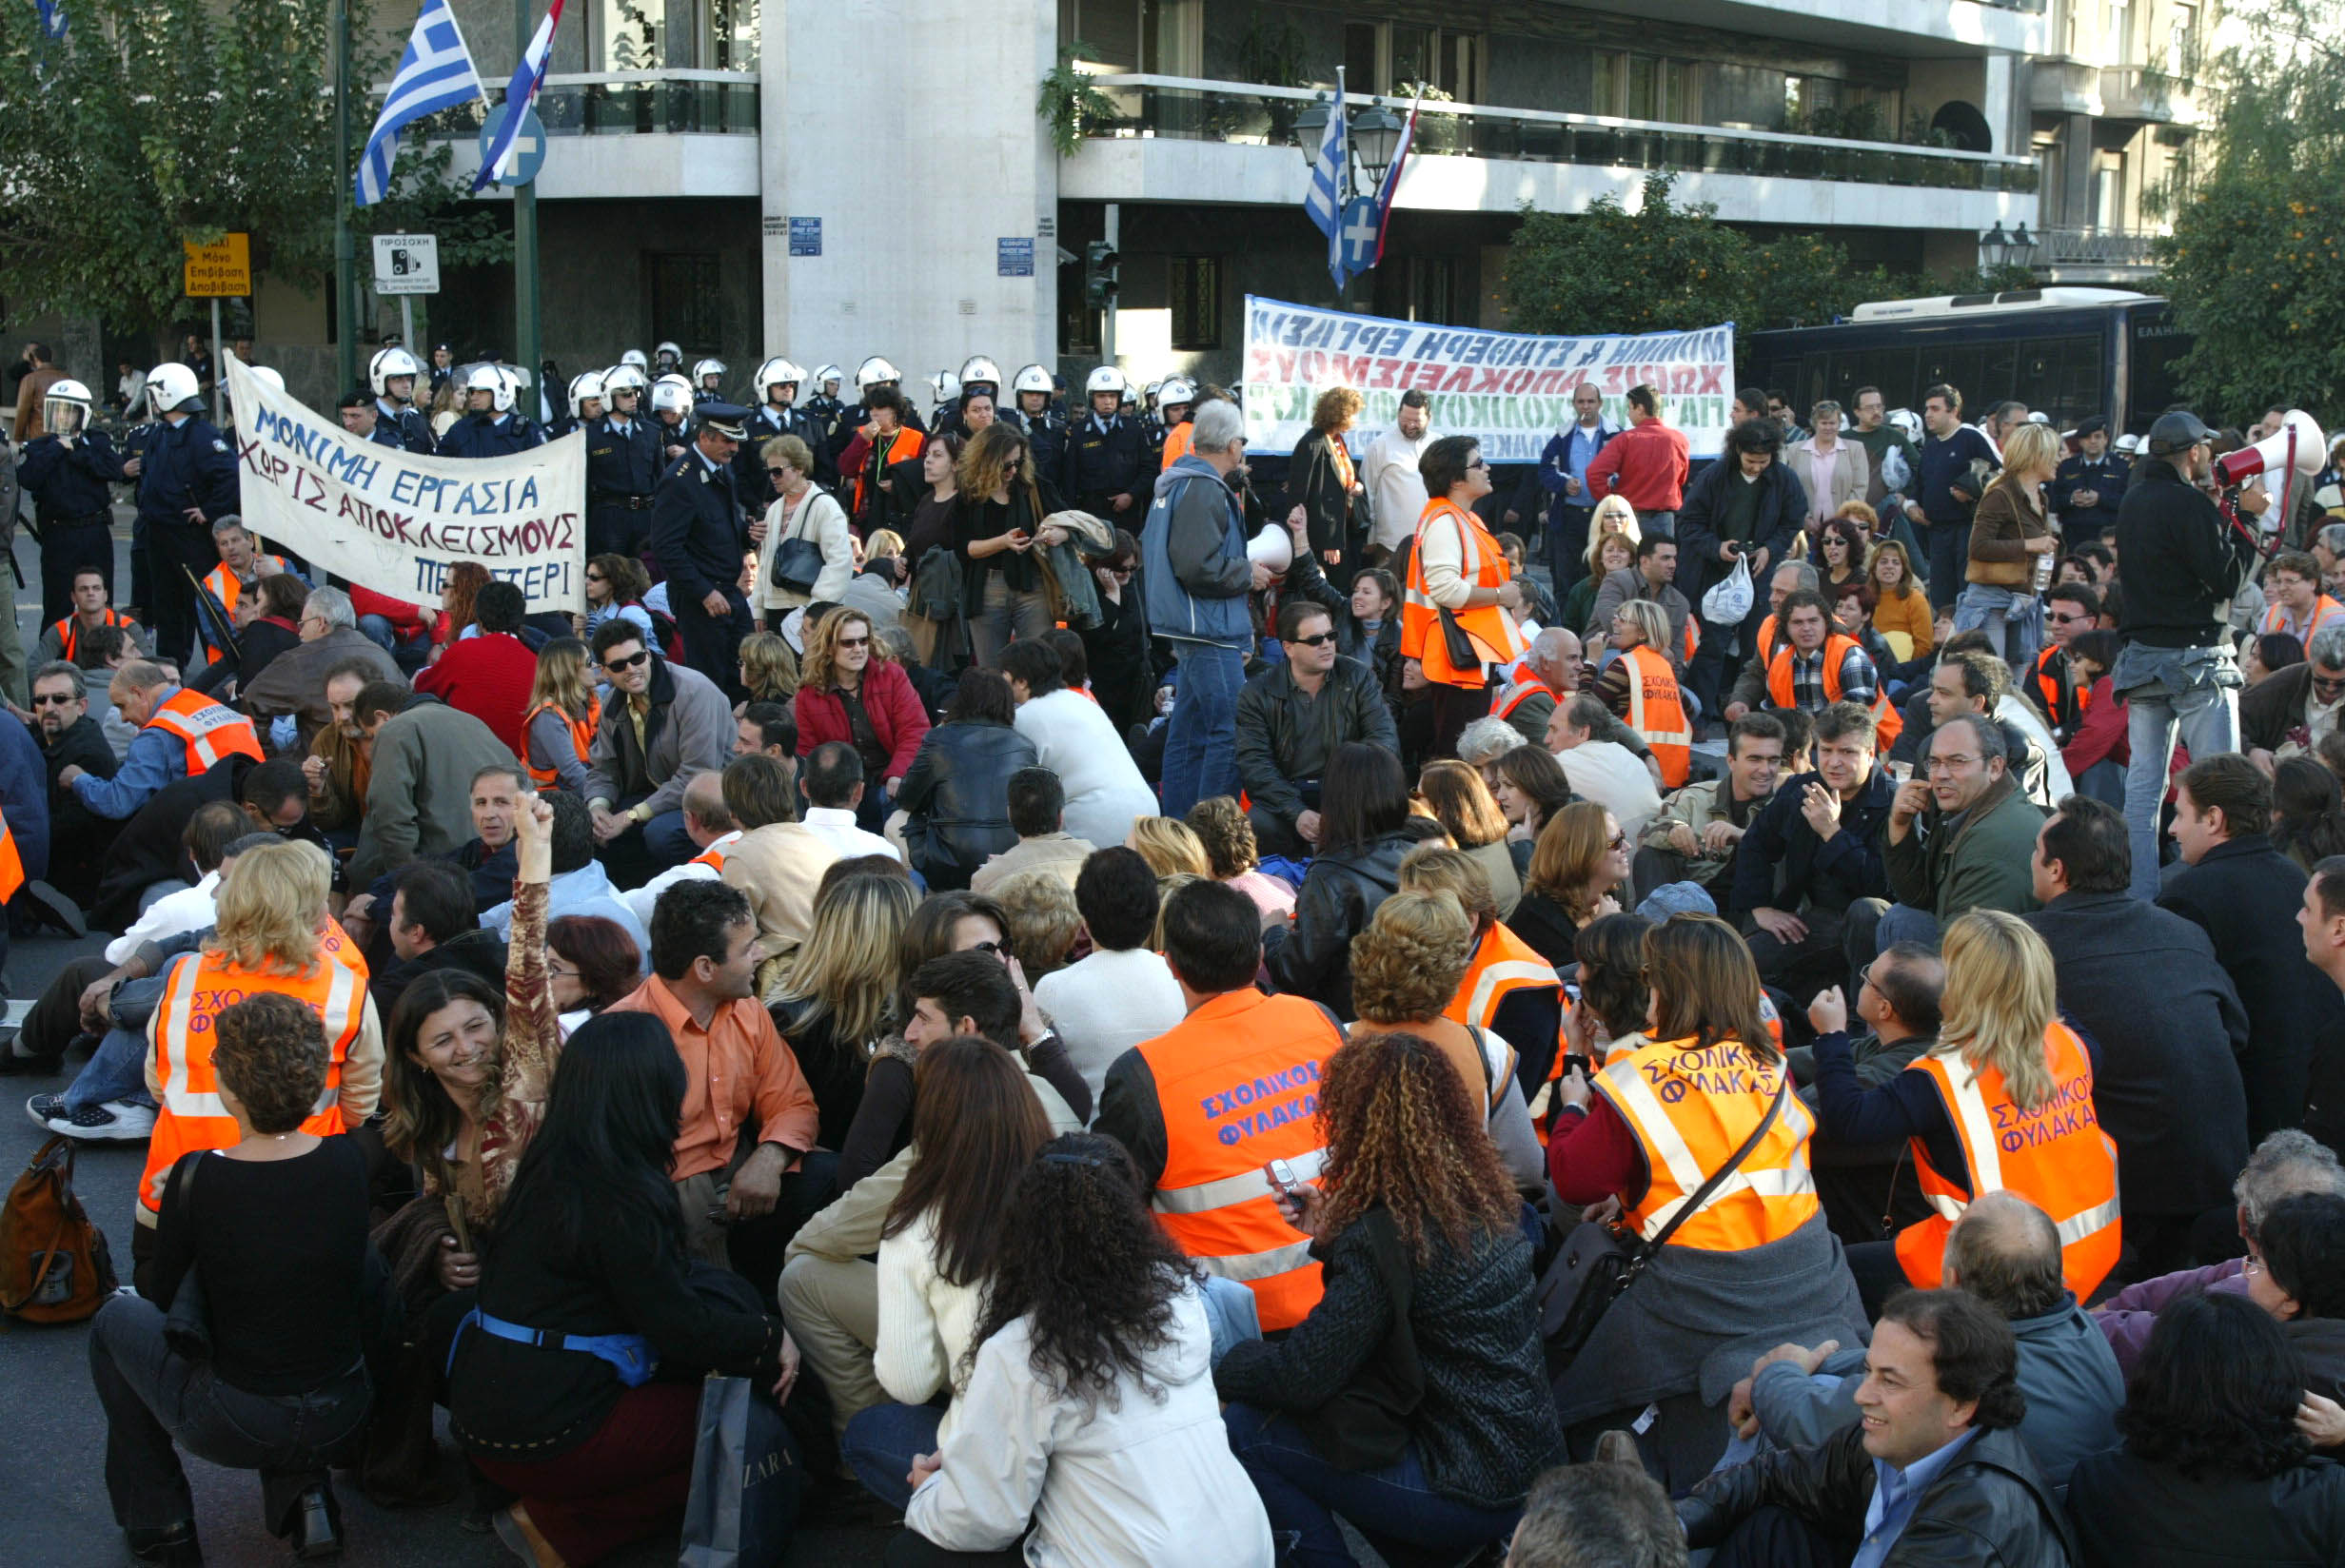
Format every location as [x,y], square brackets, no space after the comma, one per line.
[1522,692]
[191,1116]
[210,731]
[581,736]
[1237,1083]
[2325,609]
[1658,713]
[1887,722]
[2055,1156]
[1502,964]
[1690,1110]
[68,632]
[1483,565]
[887,459]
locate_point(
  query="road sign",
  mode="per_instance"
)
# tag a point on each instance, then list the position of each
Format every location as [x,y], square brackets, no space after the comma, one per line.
[406,264]
[220,271]
[528,148]
[805,236]
[1014,256]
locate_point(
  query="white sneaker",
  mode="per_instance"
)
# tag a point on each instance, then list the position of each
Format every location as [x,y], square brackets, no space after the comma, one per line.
[117,1120]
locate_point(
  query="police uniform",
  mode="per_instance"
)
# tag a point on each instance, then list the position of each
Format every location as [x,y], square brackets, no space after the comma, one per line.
[401,425]
[72,507]
[1104,460]
[749,475]
[698,532]
[189,466]
[1046,437]
[2105,475]
[489,436]
[622,466]
[665,435]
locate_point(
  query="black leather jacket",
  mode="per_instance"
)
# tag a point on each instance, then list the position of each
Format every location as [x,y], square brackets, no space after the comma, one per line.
[1989,1506]
[1283,735]
[957,791]
[1312,957]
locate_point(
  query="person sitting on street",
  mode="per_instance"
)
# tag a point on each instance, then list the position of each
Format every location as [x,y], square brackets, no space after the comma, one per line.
[434,926]
[1640,687]
[1233,856]
[1549,676]
[92,608]
[1958,840]
[1585,737]
[1898,1000]
[579,884]
[293,686]
[1290,719]
[662,724]
[834,783]
[424,761]
[1365,806]
[1605,1514]
[489,675]
[1653,580]
[69,737]
[955,798]
[1037,805]
[1695,836]
[182,734]
[1121,993]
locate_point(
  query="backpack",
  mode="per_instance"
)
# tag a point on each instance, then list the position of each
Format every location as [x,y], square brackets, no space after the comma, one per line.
[54,1267]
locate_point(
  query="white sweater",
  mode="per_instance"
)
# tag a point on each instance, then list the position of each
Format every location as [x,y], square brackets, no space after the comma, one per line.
[1077,742]
[925,1320]
[1107,1003]
[1143,1478]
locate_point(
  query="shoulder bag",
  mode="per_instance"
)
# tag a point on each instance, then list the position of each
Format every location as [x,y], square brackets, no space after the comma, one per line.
[1598,1264]
[1460,649]
[797,561]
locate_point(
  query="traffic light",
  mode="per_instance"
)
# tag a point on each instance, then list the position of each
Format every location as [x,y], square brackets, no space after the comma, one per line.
[1099,283]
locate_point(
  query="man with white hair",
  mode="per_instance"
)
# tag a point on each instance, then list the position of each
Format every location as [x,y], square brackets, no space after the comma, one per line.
[1550,674]
[294,682]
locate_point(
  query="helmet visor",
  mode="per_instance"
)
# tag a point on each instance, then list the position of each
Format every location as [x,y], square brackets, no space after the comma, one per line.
[64,416]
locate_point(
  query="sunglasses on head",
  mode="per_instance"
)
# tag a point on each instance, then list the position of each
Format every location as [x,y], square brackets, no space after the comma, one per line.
[641,656]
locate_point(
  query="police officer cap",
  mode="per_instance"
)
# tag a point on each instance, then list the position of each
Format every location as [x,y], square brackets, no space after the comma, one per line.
[726,419]
[2093,426]
[2176,432]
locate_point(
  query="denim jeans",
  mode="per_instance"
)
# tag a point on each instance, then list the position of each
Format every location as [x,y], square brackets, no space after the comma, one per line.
[1949,547]
[377,629]
[1003,614]
[2206,719]
[881,1442]
[116,1071]
[1303,1492]
[1200,743]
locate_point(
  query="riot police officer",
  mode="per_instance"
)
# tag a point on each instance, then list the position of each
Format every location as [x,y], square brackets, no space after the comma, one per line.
[582,405]
[708,383]
[398,423]
[622,466]
[490,427]
[778,382]
[1103,473]
[67,473]
[186,477]
[1029,411]
[671,415]
[698,532]
[666,359]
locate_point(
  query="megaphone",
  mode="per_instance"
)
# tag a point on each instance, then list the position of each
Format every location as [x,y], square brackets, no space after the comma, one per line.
[1273,547]
[2294,448]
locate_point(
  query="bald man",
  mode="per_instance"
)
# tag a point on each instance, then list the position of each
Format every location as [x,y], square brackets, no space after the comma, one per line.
[708,822]
[1550,674]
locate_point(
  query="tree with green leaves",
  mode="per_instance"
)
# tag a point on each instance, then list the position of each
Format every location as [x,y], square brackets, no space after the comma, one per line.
[2253,267]
[152,121]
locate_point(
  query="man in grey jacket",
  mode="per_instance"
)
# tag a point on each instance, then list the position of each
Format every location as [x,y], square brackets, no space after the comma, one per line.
[662,725]
[418,798]
[1290,719]
[1653,577]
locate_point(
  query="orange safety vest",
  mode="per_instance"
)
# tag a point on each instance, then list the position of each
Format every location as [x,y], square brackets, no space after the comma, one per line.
[1495,637]
[1690,1110]
[1887,722]
[11,864]
[1238,1084]
[891,453]
[2325,611]
[68,631]
[1176,443]
[712,857]
[1522,692]
[2062,700]
[227,588]
[201,983]
[1502,964]
[1658,713]
[210,732]
[581,736]
[2055,1156]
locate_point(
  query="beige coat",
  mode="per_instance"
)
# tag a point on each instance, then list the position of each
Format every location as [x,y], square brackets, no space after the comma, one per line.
[778,867]
[1849,475]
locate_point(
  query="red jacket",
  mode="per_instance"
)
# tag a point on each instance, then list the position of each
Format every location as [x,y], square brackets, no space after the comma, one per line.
[1645,464]
[488,677]
[896,718]
[404,618]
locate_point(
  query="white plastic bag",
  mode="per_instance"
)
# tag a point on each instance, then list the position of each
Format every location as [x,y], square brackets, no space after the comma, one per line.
[1729,598]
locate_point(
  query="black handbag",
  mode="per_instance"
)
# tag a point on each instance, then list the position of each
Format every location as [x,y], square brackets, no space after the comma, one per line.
[187,1328]
[1597,1264]
[797,561]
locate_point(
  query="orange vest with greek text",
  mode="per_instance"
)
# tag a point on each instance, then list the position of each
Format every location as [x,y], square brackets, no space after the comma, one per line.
[1657,711]
[1690,1110]
[210,733]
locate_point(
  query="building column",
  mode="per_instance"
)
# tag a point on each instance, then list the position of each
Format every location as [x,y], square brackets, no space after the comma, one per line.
[2076,172]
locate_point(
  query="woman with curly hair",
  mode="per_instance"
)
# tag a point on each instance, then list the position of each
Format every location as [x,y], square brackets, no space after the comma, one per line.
[615,586]
[769,668]
[840,999]
[2214,1468]
[1413,1399]
[1324,489]
[1406,971]
[1472,817]
[1222,828]
[1578,870]
[851,688]
[1086,1421]
[463,586]
[996,522]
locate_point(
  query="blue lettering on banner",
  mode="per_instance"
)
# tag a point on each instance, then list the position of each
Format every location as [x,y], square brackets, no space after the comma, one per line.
[1014,256]
[805,236]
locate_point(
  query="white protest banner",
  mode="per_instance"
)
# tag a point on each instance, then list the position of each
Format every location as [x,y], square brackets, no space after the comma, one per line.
[390,520]
[1510,390]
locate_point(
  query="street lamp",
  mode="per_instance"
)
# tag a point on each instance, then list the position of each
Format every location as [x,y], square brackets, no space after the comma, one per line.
[2023,248]
[1376,135]
[1995,246]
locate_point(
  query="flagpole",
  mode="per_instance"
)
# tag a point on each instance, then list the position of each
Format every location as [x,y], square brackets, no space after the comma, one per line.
[346,252]
[526,241]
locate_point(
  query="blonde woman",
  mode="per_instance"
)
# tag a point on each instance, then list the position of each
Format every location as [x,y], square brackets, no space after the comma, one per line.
[2009,533]
[1470,815]
[1323,486]
[1612,539]
[1579,870]
[2004,1102]
[561,717]
[846,664]
[1641,687]
[1040,921]
[838,1001]
[1169,845]
[769,668]
[801,510]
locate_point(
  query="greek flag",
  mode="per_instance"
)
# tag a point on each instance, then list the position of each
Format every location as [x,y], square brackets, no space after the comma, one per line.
[1325,200]
[435,74]
[52,18]
[518,94]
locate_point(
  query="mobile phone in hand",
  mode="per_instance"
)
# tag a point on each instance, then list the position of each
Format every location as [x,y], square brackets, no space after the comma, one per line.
[1281,1176]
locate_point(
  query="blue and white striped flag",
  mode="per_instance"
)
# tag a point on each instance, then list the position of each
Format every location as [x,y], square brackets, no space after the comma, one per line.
[435,74]
[1325,200]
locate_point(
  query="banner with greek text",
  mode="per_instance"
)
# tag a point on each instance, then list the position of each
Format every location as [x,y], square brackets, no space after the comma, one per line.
[390,520]
[1510,390]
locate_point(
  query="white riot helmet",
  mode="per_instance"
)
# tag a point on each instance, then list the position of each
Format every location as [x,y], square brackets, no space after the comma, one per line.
[171,387]
[1105,378]
[706,368]
[946,385]
[979,369]
[668,356]
[65,408]
[1907,424]
[1034,379]
[1175,391]
[778,372]
[634,360]
[874,371]
[583,388]
[491,380]
[671,392]
[388,363]
[827,378]
[622,378]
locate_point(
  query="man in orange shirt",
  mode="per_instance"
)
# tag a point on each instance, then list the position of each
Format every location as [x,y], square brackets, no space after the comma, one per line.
[742,1203]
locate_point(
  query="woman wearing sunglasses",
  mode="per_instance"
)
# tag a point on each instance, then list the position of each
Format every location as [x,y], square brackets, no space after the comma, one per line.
[851,688]
[801,510]
[995,531]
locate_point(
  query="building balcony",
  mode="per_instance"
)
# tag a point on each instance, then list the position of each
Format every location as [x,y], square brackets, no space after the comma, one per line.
[634,133]
[2147,96]
[2122,257]
[1906,28]
[2056,85]
[1185,140]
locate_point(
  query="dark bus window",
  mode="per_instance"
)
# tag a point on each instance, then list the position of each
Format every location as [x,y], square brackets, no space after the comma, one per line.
[2151,387]
[2062,377]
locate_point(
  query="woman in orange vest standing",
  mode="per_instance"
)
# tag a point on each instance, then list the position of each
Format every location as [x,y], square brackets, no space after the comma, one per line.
[1641,687]
[1755,1259]
[273,934]
[1450,621]
[2003,1103]
[562,716]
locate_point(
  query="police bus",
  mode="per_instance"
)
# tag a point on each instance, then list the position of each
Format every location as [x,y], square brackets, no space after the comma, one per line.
[2070,352]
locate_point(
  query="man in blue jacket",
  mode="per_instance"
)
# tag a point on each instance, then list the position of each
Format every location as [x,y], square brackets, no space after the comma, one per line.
[187,476]
[1197,574]
[2088,487]
[1562,474]
[697,532]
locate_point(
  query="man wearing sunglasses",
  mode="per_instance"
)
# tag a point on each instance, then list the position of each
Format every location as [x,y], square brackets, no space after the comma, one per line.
[662,726]
[1290,719]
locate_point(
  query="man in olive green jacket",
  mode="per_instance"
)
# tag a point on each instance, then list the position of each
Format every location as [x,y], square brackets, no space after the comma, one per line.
[1959,836]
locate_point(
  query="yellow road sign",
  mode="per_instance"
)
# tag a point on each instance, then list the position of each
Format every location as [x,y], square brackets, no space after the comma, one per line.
[224,269]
